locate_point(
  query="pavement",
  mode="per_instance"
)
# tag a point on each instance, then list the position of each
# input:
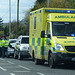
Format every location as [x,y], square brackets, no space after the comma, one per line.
[11,66]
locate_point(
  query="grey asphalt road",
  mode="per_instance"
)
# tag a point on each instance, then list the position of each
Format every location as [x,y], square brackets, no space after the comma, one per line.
[10,66]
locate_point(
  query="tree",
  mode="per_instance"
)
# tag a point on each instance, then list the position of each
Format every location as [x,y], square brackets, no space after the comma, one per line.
[1,24]
[54,4]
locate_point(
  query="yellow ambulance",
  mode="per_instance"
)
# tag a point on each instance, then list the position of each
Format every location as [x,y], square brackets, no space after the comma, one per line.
[52,36]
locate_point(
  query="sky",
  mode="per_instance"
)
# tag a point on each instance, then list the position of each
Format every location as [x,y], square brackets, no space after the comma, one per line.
[24,6]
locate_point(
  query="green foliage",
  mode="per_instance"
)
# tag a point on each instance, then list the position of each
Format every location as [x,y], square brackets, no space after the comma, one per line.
[6,31]
[54,4]
[1,24]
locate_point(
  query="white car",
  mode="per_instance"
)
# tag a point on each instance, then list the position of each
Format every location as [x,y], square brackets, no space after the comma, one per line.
[21,48]
[10,50]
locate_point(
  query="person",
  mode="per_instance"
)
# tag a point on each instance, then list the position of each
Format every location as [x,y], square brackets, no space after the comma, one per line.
[0,47]
[6,44]
[3,48]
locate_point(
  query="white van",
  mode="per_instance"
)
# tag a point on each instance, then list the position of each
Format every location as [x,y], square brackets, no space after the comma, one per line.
[21,48]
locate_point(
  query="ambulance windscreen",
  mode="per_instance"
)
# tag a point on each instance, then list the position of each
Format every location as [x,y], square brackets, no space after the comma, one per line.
[63,29]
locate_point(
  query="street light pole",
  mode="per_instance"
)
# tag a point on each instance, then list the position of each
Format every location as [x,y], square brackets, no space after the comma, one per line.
[48,3]
[9,19]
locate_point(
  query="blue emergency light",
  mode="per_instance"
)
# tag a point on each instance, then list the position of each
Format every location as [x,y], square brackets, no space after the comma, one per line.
[60,11]
[72,35]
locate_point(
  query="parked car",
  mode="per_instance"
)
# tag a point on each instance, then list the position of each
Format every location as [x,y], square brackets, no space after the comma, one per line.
[10,50]
[21,48]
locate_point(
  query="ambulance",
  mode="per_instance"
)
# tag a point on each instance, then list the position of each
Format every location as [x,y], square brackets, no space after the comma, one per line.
[52,36]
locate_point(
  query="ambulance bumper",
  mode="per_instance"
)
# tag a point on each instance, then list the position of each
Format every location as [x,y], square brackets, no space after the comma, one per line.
[63,57]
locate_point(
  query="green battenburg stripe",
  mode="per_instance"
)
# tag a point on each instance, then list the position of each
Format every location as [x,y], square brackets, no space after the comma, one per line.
[53,49]
[35,49]
[39,40]
[42,50]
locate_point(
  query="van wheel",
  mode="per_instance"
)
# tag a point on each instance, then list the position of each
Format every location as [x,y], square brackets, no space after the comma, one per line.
[19,56]
[51,63]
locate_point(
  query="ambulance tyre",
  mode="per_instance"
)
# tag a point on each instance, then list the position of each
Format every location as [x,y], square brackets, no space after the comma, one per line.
[51,63]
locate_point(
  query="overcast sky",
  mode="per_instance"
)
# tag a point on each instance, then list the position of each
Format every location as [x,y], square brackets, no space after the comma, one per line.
[4,9]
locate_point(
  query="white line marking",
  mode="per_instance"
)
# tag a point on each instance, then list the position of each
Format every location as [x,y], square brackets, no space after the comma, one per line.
[9,66]
[12,74]
[40,73]
[24,67]
[21,71]
[1,59]
[10,62]
[5,64]
[2,68]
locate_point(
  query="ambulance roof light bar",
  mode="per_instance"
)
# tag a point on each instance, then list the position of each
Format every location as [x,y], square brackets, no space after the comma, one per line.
[60,11]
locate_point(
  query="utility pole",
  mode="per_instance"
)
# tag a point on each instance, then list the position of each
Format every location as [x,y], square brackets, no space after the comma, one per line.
[17,16]
[17,12]
[47,3]
[9,19]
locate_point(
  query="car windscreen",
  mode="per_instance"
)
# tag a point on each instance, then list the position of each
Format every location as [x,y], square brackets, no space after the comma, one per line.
[25,40]
[13,41]
[63,28]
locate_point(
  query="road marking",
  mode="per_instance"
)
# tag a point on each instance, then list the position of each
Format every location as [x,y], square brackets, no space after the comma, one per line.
[24,67]
[2,68]
[1,59]
[10,62]
[4,64]
[40,73]
[12,74]
[9,66]
[21,71]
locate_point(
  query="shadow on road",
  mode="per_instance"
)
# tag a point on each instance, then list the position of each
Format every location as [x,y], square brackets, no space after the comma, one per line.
[27,59]
[63,66]
[69,67]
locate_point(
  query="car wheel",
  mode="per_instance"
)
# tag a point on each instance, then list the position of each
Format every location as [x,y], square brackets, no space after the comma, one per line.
[7,56]
[19,56]
[15,56]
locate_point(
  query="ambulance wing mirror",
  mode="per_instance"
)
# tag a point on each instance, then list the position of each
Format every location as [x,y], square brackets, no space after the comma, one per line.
[48,35]
[42,34]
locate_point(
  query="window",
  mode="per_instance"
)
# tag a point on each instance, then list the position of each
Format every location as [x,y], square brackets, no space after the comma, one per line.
[48,28]
[34,22]
[63,28]
[25,40]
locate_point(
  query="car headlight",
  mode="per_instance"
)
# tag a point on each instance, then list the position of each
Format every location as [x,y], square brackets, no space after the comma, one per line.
[58,47]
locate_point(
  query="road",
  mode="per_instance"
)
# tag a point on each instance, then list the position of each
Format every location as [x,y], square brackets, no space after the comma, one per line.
[10,66]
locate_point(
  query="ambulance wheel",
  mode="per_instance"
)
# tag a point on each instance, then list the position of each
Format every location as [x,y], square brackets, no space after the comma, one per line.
[51,63]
